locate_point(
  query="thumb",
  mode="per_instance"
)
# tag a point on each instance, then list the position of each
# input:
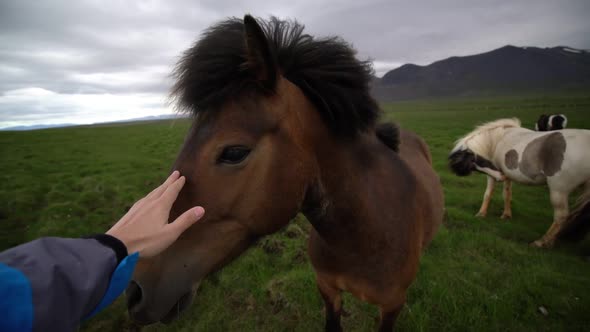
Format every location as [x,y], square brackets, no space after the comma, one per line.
[186,220]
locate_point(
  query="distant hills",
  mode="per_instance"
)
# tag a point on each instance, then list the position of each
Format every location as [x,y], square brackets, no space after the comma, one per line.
[60,125]
[40,126]
[508,69]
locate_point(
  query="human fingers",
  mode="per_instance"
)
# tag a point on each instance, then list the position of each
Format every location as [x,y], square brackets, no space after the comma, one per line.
[186,220]
[156,193]
[171,193]
[171,232]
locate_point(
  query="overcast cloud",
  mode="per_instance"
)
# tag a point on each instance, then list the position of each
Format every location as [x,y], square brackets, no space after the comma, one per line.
[88,61]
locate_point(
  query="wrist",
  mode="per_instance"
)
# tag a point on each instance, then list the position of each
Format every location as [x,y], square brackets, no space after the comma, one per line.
[107,240]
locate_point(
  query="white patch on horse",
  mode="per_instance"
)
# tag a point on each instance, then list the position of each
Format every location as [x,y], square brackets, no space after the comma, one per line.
[564,122]
[550,122]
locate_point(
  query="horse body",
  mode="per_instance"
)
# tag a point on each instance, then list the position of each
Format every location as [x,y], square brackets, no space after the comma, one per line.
[556,157]
[285,123]
[544,123]
[361,247]
[559,159]
[548,122]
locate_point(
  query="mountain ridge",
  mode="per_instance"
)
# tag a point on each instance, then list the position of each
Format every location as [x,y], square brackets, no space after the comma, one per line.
[62,125]
[503,70]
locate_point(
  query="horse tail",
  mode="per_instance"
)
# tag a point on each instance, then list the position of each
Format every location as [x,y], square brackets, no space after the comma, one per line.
[577,224]
[388,133]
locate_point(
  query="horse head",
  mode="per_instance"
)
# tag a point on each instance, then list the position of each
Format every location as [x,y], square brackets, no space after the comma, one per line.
[264,96]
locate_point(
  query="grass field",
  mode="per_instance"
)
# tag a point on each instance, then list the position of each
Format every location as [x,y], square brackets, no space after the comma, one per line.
[478,274]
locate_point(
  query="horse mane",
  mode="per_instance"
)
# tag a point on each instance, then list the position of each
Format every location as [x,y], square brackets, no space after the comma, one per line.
[388,133]
[480,138]
[213,71]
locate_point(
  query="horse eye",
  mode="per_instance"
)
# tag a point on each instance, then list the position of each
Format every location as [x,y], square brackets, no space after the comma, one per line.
[233,154]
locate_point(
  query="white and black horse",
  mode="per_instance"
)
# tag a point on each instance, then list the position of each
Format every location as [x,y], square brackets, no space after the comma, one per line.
[548,122]
[504,150]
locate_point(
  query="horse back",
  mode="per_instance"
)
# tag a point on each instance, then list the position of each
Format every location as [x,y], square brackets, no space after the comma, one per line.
[415,153]
[532,157]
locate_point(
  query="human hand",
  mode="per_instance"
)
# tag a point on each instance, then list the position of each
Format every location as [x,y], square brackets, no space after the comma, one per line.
[145,228]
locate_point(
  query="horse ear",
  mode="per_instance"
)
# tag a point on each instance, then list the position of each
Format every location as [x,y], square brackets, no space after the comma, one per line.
[260,58]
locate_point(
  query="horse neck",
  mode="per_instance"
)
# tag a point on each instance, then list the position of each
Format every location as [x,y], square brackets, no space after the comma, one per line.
[485,144]
[338,202]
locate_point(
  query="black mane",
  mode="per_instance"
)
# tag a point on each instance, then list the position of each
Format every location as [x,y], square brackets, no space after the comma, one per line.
[214,71]
[388,133]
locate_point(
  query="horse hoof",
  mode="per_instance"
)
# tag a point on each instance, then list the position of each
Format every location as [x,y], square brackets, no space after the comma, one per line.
[541,244]
[480,215]
[506,216]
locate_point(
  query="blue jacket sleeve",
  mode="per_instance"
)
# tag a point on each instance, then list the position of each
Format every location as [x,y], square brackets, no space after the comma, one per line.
[51,284]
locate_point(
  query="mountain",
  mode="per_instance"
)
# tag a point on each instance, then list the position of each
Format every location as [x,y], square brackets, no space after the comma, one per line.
[39,126]
[509,69]
[60,125]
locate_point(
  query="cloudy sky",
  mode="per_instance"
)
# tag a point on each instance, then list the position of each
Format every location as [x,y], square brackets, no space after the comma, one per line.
[87,61]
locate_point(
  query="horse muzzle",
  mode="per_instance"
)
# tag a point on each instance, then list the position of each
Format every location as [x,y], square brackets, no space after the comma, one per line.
[141,313]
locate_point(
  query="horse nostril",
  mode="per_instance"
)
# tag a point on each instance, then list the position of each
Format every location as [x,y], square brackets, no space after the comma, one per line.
[134,295]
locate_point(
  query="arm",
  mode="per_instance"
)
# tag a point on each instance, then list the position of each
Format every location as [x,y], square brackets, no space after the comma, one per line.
[51,284]
[56,281]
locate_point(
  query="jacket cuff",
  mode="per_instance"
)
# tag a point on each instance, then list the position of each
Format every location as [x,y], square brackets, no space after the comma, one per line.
[119,282]
[113,243]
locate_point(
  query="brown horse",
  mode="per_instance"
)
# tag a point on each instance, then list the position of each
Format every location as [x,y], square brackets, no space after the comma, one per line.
[284,123]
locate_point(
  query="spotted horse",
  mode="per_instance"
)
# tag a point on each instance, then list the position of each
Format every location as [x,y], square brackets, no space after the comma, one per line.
[504,150]
[548,122]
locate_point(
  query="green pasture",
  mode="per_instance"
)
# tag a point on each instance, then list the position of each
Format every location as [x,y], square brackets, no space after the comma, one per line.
[478,274]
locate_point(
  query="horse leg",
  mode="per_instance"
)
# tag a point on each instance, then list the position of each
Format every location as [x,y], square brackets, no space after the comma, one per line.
[507,194]
[487,196]
[333,302]
[559,200]
[388,318]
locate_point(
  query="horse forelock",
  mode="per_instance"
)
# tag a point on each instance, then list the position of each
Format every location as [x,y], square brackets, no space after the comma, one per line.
[214,70]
